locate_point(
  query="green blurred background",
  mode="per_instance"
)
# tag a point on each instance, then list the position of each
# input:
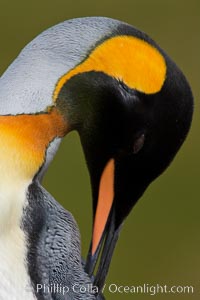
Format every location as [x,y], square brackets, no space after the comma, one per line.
[160,241]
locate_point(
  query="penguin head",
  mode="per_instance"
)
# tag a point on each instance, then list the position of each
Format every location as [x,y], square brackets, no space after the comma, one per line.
[132,107]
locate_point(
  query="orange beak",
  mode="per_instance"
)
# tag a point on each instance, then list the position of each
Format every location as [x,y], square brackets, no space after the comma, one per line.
[104,204]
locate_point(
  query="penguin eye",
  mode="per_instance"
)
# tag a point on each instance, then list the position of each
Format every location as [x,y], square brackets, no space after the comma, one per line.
[139,143]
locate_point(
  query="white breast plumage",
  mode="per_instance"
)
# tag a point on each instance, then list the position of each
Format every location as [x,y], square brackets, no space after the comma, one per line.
[14,279]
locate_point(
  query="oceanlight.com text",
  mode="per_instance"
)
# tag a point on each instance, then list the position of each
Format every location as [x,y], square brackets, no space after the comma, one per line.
[148,289]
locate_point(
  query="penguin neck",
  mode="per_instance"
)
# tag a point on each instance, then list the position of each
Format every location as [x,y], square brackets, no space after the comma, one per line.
[26,145]
[25,140]
[14,180]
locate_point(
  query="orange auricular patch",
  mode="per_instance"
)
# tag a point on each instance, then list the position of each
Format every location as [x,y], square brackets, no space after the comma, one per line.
[140,65]
[24,140]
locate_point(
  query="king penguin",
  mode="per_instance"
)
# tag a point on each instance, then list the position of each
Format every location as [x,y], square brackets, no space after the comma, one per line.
[132,107]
